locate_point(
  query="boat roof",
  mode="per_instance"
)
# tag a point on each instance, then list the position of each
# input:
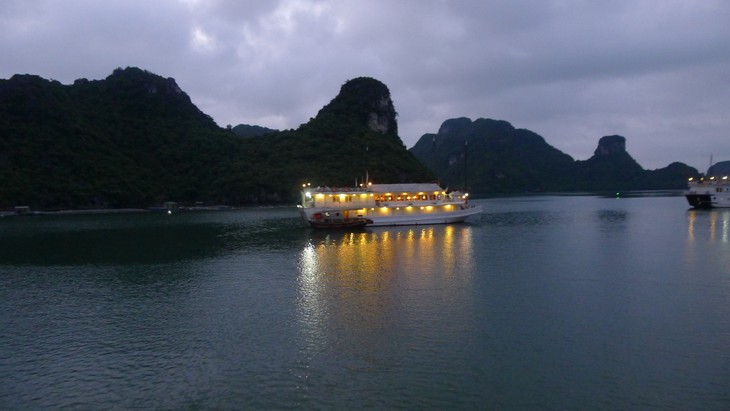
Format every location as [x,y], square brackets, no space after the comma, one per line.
[405,188]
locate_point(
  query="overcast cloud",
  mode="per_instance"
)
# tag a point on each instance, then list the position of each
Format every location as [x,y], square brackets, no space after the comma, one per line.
[656,72]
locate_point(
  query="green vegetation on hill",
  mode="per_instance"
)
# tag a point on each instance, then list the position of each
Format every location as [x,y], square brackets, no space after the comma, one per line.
[247,131]
[502,159]
[499,158]
[354,135]
[135,139]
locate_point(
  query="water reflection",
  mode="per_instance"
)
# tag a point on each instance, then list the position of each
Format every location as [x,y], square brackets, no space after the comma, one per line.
[363,259]
[359,282]
[612,221]
[107,240]
[612,217]
[146,238]
[711,224]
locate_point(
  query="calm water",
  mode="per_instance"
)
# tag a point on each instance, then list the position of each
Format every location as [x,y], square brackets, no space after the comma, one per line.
[554,302]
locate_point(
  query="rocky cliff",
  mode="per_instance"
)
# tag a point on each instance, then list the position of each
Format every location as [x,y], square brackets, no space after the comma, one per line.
[502,159]
[610,145]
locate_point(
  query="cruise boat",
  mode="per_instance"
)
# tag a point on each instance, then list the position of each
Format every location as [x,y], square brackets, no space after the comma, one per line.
[384,205]
[710,192]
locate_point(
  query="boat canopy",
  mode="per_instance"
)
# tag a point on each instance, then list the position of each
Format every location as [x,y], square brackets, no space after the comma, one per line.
[405,188]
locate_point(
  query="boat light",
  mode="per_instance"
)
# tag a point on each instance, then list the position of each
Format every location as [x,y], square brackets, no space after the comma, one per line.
[691,178]
[724,178]
[308,194]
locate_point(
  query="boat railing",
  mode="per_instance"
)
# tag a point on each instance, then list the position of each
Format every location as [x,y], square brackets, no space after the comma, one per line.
[418,203]
[340,190]
[710,181]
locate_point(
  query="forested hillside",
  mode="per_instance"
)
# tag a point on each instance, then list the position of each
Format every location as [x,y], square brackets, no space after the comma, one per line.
[491,156]
[136,139]
[355,134]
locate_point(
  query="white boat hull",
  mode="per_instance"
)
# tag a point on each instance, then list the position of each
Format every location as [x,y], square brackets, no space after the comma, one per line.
[707,201]
[708,193]
[422,219]
[457,216]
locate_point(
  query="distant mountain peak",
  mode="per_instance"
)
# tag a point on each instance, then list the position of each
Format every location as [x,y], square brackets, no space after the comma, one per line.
[721,168]
[505,159]
[248,131]
[454,125]
[369,101]
[147,82]
[608,145]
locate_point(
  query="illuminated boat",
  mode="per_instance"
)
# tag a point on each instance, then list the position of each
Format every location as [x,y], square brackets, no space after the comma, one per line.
[386,204]
[711,192]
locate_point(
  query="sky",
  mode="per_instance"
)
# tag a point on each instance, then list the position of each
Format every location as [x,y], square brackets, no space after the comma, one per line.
[654,71]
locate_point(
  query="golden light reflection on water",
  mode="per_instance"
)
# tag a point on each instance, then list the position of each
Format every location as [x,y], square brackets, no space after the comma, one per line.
[360,280]
[691,217]
[365,259]
[715,224]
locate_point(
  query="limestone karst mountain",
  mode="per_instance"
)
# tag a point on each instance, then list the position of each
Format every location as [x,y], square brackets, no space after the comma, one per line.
[491,156]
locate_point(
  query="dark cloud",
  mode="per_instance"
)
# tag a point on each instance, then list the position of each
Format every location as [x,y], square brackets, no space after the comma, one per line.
[654,71]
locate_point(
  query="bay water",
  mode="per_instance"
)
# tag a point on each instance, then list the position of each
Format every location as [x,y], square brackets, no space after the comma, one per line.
[540,302]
